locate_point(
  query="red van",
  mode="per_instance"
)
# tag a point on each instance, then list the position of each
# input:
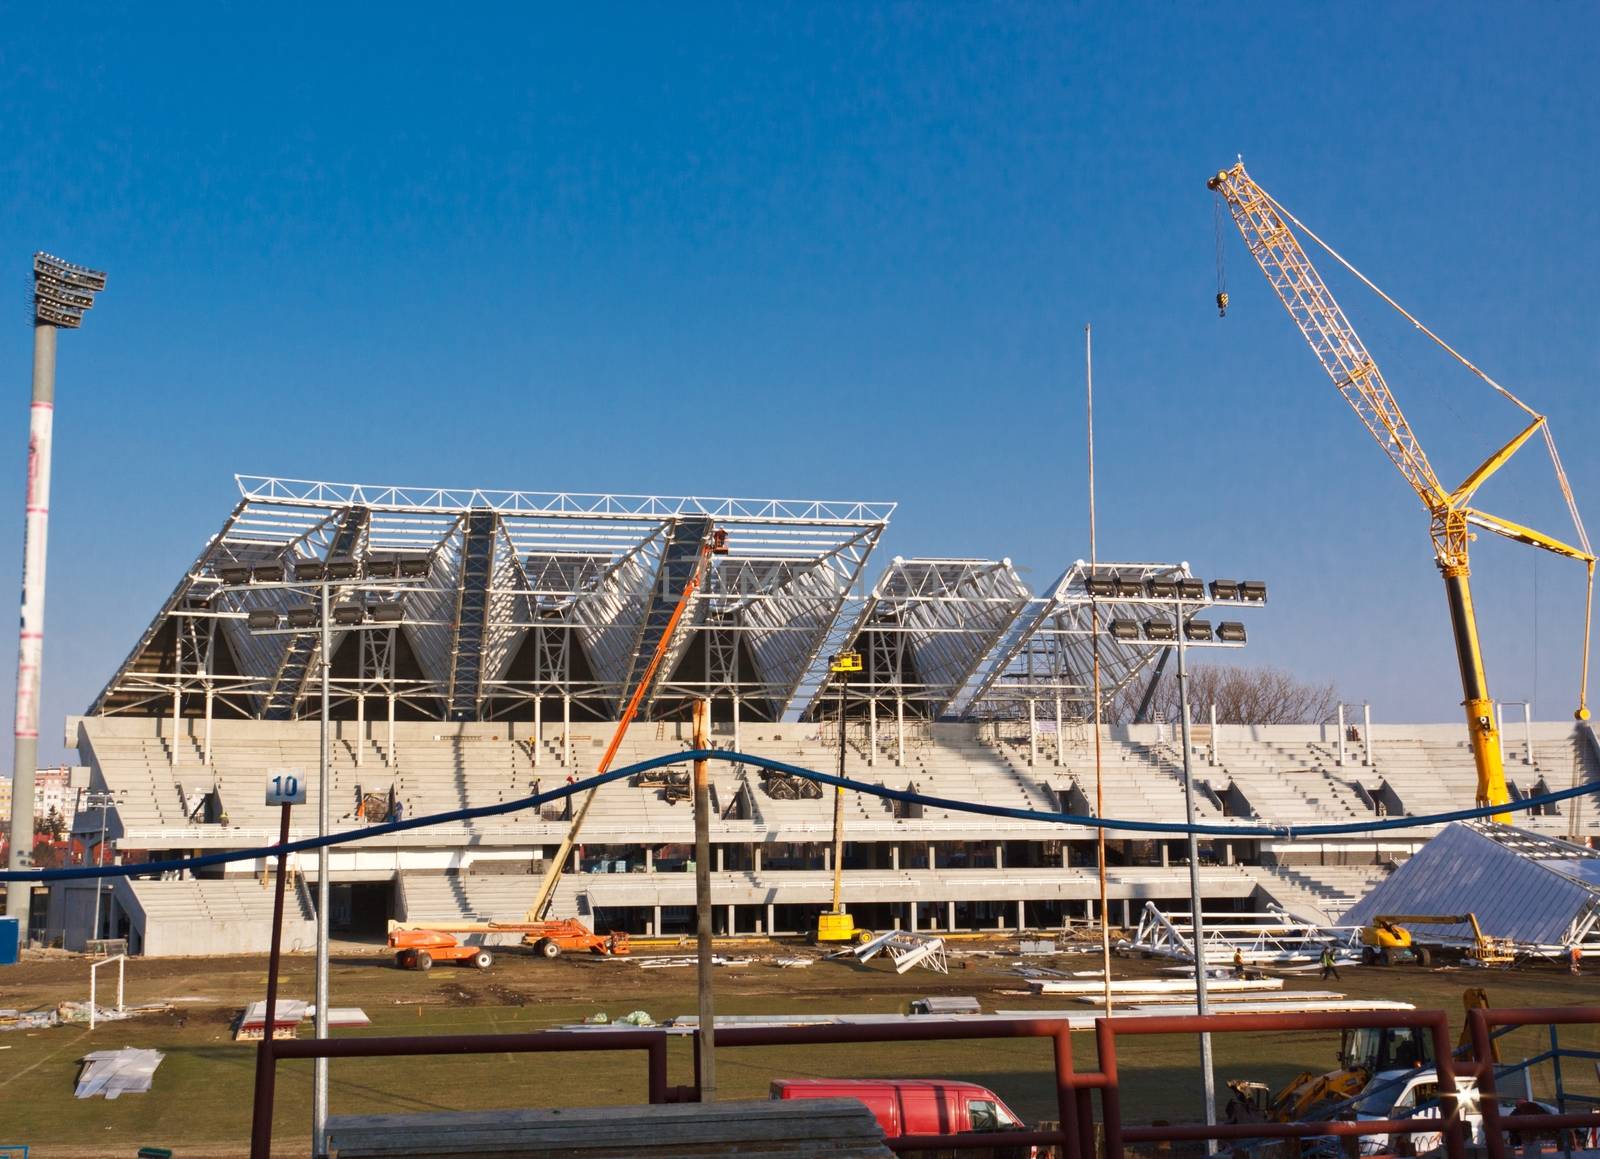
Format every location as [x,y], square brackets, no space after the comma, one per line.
[912,1106]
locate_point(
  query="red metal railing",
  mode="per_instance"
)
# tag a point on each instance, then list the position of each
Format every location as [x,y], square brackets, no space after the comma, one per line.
[1480,1025]
[1074,1088]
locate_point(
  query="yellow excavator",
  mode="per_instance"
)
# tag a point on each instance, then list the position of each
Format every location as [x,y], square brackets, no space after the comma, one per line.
[1265,226]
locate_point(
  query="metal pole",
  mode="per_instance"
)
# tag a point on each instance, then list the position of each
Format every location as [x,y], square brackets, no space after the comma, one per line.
[1527,731]
[266,1067]
[1366,732]
[30,635]
[1211,749]
[1094,645]
[702,904]
[100,861]
[1341,736]
[838,810]
[1197,921]
[319,1093]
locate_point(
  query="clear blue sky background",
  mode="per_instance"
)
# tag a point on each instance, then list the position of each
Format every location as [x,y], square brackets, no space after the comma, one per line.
[830,250]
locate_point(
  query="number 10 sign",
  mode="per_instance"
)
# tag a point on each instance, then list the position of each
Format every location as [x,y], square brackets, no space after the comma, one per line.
[286,787]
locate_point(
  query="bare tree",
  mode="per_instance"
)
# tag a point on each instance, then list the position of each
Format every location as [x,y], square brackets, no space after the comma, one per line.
[1242,695]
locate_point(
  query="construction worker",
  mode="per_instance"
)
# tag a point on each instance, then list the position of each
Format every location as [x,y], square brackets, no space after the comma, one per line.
[1328,966]
[1238,963]
[1575,960]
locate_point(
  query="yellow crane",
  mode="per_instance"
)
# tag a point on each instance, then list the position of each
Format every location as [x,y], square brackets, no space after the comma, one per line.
[1265,226]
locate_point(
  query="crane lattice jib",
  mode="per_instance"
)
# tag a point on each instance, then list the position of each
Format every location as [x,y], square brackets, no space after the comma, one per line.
[1328,332]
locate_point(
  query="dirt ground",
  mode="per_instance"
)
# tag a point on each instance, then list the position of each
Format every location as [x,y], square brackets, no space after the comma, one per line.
[200,1102]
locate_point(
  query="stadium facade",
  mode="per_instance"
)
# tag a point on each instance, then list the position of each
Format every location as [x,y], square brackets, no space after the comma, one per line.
[480,645]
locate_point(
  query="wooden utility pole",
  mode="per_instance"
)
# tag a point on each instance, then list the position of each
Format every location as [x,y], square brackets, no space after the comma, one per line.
[702,902]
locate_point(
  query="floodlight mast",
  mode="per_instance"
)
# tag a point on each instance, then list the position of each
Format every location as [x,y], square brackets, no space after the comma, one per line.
[62,292]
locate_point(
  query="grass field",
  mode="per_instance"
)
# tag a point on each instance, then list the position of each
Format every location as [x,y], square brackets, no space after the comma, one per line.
[200,1102]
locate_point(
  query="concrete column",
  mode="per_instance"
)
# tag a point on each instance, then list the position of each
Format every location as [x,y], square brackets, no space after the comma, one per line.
[566,729]
[207,756]
[730,929]
[655,923]
[911,916]
[177,721]
[755,857]
[1022,914]
[827,858]
[1033,735]
[721,860]
[950,910]
[999,855]
[361,725]
[649,859]
[1066,856]
[771,927]
[1227,853]
[737,747]
[1060,760]
[1165,855]
[1127,914]
[872,732]
[894,856]
[900,731]
[538,729]
[932,861]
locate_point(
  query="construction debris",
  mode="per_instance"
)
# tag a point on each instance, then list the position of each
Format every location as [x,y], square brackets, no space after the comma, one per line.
[117,1072]
[906,949]
[1276,938]
[956,1004]
[1152,987]
[288,1016]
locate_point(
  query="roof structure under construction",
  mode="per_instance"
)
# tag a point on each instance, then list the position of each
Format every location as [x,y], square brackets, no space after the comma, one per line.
[478,605]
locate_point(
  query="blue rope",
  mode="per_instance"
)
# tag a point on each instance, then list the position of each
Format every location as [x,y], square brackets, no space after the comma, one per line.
[904,795]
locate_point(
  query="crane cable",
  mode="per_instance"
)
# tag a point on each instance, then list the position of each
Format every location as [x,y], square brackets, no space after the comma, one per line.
[1222,265]
[1544,428]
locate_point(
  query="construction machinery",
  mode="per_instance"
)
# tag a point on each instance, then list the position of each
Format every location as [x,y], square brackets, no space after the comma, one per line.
[1386,940]
[683,566]
[1265,226]
[836,925]
[1363,1052]
[418,949]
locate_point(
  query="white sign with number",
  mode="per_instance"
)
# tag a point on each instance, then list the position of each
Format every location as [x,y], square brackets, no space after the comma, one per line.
[286,786]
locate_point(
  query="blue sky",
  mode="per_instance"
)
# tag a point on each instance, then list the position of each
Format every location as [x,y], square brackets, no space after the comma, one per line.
[828,250]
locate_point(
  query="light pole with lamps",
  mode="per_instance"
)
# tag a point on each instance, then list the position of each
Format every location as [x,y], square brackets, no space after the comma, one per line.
[62,292]
[322,577]
[1186,632]
[101,801]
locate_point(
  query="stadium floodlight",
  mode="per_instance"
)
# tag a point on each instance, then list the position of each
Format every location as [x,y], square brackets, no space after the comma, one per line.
[390,612]
[415,567]
[262,620]
[1125,629]
[1129,588]
[267,573]
[309,571]
[62,291]
[1101,586]
[1224,589]
[1231,632]
[342,569]
[234,573]
[1191,589]
[349,614]
[1255,591]
[1163,589]
[381,568]
[1197,630]
[302,617]
[1160,630]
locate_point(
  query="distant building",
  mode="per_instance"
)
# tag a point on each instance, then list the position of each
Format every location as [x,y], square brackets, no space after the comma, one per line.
[52,789]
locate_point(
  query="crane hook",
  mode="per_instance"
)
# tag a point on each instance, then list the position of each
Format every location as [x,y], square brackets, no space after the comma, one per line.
[1222,304]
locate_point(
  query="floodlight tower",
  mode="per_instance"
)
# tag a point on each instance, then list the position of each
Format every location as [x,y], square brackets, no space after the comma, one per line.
[62,292]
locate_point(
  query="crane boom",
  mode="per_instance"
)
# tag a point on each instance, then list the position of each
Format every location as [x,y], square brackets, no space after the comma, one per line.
[1264,225]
